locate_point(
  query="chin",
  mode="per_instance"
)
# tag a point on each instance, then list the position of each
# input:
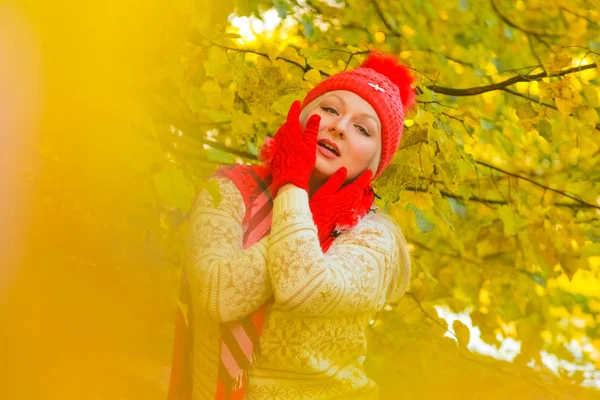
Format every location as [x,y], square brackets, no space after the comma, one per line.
[325,168]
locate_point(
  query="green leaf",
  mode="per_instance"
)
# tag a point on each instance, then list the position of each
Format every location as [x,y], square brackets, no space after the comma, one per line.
[511,220]
[457,207]
[424,117]
[174,189]
[212,187]
[487,125]
[591,250]
[545,129]
[422,221]
[525,110]
[219,156]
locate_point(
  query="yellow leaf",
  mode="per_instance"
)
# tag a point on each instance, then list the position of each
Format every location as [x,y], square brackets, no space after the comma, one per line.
[210,88]
[241,123]
[408,31]
[446,276]
[525,110]
[545,90]
[512,221]
[573,262]
[313,76]
[216,62]
[587,115]
[212,91]
[273,53]
[320,63]
[462,333]
[424,117]
[227,99]
[591,94]
[564,106]
[557,62]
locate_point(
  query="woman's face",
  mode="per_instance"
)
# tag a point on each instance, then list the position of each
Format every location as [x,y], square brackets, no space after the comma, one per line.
[351,127]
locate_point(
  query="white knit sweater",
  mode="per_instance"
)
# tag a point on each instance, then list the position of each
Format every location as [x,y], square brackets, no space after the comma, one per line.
[313,343]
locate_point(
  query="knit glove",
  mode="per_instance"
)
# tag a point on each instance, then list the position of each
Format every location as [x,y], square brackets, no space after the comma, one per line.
[335,207]
[291,153]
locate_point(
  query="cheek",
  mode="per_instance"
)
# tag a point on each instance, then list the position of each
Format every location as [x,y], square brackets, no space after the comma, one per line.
[326,119]
[362,152]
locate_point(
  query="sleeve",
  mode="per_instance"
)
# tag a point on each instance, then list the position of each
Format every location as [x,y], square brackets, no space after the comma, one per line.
[226,281]
[353,276]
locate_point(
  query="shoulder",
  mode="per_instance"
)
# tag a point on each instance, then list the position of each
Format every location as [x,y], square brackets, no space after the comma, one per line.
[378,223]
[379,232]
[375,230]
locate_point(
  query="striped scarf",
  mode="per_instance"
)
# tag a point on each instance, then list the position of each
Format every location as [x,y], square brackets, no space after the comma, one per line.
[239,339]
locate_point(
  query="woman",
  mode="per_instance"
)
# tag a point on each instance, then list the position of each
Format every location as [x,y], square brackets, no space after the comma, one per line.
[285,272]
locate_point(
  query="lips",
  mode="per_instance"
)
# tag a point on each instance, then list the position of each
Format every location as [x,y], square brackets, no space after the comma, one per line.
[328,148]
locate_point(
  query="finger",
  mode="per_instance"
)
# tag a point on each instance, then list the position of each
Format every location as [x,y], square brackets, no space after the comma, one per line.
[363,180]
[313,123]
[293,120]
[335,182]
[311,131]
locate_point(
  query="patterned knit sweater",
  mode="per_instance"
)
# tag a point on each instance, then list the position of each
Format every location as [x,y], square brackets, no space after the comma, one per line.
[313,343]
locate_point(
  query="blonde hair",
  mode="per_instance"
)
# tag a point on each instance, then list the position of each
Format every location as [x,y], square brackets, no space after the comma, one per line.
[374,164]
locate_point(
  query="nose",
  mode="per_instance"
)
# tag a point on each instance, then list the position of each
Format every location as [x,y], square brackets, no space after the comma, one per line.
[337,130]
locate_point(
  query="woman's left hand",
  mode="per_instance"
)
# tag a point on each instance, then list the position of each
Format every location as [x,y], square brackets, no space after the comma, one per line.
[334,206]
[292,153]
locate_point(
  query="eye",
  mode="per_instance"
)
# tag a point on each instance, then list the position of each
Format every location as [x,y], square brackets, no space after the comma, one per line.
[330,110]
[362,130]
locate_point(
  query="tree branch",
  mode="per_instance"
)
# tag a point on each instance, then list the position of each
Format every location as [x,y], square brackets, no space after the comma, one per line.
[467,356]
[524,30]
[507,90]
[501,85]
[456,60]
[222,147]
[351,54]
[514,93]
[476,199]
[589,20]
[456,256]
[379,12]
[297,64]
[582,47]
[577,199]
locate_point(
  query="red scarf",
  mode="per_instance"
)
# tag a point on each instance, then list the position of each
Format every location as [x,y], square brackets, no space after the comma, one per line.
[239,339]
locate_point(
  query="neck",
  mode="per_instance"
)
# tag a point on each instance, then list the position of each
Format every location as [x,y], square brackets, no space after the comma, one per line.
[314,183]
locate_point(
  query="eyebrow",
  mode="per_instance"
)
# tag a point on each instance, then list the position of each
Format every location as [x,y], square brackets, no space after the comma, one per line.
[363,114]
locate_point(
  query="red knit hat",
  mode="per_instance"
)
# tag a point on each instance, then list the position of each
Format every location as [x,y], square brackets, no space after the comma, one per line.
[387,87]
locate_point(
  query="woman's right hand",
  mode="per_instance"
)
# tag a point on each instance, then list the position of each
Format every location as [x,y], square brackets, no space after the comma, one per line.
[292,152]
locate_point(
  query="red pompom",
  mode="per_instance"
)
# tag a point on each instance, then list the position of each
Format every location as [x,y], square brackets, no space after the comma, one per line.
[267,151]
[397,73]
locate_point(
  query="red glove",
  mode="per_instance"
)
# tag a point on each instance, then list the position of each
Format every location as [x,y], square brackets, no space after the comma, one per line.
[292,154]
[336,207]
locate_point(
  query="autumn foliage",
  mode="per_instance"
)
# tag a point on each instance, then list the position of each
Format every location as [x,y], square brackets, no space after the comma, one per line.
[496,184]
